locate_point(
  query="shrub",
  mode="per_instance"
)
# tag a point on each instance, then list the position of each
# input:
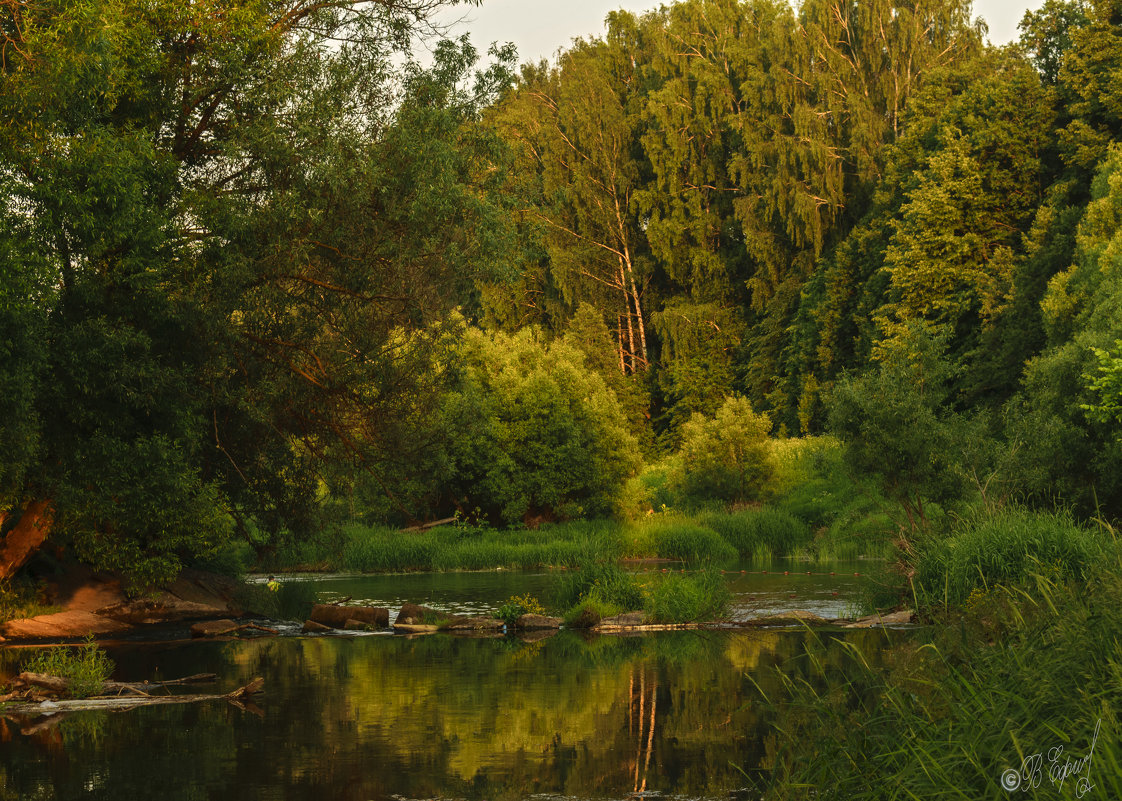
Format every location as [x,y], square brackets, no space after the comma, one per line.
[530,430]
[518,605]
[726,457]
[86,667]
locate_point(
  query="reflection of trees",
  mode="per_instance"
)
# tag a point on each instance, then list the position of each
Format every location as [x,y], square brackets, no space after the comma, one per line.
[373,717]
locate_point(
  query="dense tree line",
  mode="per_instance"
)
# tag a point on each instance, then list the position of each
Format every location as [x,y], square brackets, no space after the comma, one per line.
[775,202]
[234,238]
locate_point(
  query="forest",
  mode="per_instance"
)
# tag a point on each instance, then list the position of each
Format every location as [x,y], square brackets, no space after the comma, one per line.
[264,275]
[733,279]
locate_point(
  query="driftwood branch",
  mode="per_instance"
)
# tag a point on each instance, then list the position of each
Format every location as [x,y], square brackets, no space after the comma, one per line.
[110,701]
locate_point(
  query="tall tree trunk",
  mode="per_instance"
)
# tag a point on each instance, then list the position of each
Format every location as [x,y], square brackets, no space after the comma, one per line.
[627,305]
[26,537]
[638,314]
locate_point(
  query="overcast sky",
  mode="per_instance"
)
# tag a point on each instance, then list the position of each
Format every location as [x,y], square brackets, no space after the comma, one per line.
[539,27]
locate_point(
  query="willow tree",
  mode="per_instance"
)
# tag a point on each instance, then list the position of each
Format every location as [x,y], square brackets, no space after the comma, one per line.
[234,222]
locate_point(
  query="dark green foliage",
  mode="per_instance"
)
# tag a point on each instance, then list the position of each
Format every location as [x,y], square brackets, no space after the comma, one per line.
[898,426]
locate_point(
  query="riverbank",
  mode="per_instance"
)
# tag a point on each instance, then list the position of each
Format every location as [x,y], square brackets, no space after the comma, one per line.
[94,603]
[760,533]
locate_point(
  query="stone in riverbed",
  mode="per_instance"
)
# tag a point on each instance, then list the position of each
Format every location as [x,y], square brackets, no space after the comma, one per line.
[62,624]
[213,628]
[534,622]
[473,624]
[311,627]
[892,619]
[356,625]
[413,614]
[337,616]
[627,620]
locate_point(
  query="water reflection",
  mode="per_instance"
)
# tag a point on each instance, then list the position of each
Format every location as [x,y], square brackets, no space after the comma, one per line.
[830,589]
[434,717]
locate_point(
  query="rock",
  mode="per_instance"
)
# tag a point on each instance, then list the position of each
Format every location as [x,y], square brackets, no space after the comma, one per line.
[311,627]
[473,624]
[413,614]
[900,618]
[586,619]
[415,628]
[796,617]
[625,621]
[337,616]
[533,622]
[356,625]
[163,609]
[62,624]
[214,628]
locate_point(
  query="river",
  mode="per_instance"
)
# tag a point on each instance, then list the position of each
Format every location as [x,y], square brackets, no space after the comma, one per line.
[382,716]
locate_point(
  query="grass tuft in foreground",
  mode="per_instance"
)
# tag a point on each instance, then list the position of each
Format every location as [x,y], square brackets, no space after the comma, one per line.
[1015,673]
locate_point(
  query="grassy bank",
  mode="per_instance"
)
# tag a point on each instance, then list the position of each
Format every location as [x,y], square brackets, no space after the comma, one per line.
[1022,657]
[761,534]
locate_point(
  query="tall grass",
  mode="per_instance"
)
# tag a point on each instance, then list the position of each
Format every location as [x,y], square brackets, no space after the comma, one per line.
[372,549]
[1028,669]
[602,589]
[678,598]
[752,530]
[678,537]
[1003,547]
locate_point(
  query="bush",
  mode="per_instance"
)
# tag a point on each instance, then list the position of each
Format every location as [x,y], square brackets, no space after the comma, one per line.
[1002,547]
[531,431]
[726,458]
[86,667]
[518,605]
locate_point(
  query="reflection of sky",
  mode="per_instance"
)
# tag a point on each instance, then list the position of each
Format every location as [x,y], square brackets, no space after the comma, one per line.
[539,27]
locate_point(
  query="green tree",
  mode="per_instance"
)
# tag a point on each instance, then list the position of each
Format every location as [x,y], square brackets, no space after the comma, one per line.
[726,457]
[231,242]
[531,432]
[898,427]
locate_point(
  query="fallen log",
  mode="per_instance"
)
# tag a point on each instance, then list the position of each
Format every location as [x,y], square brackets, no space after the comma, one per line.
[239,697]
[60,685]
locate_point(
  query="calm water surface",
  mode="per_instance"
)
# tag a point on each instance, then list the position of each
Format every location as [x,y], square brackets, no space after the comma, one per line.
[830,590]
[376,717]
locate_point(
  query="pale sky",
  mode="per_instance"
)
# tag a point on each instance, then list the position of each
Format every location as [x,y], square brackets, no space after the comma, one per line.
[539,27]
